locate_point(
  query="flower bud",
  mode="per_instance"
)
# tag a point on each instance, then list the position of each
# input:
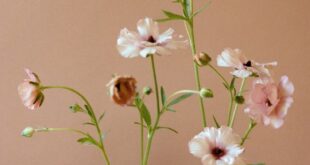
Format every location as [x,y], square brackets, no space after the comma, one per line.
[239,99]
[28,132]
[206,93]
[147,90]
[202,59]
[76,108]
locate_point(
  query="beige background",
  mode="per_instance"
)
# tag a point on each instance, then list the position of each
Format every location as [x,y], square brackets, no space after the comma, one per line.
[72,42]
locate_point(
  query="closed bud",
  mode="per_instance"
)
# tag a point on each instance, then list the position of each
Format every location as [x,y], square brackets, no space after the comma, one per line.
[202,59]
[28,132]
[239,99]
[147,90]
[206,93]
[76,108]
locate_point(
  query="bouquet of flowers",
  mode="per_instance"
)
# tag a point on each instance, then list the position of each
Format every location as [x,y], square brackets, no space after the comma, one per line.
[267,101]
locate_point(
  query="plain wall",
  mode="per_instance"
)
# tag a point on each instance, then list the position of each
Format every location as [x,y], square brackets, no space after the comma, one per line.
[73,42]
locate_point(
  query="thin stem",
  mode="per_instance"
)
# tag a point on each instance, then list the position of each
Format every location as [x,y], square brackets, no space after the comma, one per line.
[60,129]
[141,138]
[248,131]
[232,120]
[152,131]
[181,92]
[219,74]
[231,95]
[189,25]
[94,118]
[155,83]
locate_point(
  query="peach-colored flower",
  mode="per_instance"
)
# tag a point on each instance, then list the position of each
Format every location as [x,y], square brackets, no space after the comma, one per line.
[234,58]
[147,41]
[29,91]
[269,102]
[122,89]
[217,146]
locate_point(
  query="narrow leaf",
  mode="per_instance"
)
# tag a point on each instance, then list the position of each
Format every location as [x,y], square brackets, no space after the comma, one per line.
[88,140]
[143,111]
[202,8]
[171,110]
[137,123]
[101,117]
[179,99]
[173,16]
[88,123]
[216,122]
[168,128]
[163,96]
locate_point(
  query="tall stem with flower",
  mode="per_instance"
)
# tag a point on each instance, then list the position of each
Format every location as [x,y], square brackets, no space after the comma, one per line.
[35,99]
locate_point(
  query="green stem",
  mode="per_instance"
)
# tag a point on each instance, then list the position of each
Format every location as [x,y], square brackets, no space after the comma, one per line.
[93,116]
[232,120]
[151,132]
[60,129]
[141,138]
[248,131]
[189,25]
[155,83]
[231,95]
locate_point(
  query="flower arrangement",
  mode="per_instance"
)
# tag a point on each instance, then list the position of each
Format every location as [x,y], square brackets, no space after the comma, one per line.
[266,102]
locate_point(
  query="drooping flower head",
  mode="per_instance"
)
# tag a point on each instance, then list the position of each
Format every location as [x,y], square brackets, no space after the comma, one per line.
[243,67]
[269,102]
[147,41]
[217,146]
[30,92]
[122,90]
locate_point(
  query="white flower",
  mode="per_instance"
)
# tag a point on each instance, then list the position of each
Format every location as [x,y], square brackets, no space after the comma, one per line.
[234,58]
[147,41]
[217,146]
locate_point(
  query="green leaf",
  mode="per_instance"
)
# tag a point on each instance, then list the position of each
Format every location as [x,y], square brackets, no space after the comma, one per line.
[137,123]
[174,16]
[187,8]
[202,8]
[232,83]
[163,96]
[88,140]
[168,128]
[88,123]
[179,99]
[101,117]
[171,110]
[143,111]
[216,122]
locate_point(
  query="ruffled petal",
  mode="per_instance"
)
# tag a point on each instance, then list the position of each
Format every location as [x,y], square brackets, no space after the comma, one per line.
[147,27]
[128,44]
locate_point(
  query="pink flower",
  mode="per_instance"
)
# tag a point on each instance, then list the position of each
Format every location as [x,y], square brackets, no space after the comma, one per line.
[234,58]
[29,91]
[269,102]
[217,146]
[147,41]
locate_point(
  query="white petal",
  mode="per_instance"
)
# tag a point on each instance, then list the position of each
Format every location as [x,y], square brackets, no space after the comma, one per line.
[241,73]
[128,44]
[198,147]
[166,36]
[230,58]
[147,27]
[147,51]
[208,160]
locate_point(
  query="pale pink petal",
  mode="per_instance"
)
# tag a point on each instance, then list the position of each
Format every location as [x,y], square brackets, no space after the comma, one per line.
[147,27]
[230,58]
[286,86]
[166,36]
[198,147]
